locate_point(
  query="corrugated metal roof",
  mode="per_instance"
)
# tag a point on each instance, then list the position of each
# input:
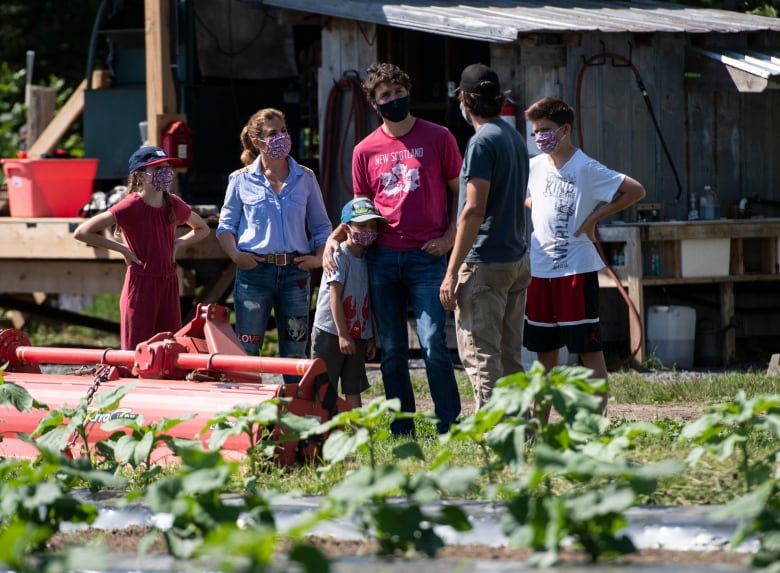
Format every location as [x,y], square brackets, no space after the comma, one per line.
[504,20]
[750,71]
[762,64]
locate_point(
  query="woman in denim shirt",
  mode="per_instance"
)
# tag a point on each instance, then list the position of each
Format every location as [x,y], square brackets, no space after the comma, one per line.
[273,225]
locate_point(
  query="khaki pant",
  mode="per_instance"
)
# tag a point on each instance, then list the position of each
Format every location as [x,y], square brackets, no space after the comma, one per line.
[489,322]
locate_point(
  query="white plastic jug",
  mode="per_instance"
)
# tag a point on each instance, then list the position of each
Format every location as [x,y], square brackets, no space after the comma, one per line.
[671,334]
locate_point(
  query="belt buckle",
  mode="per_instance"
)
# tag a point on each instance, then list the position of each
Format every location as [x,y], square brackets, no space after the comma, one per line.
[280,259]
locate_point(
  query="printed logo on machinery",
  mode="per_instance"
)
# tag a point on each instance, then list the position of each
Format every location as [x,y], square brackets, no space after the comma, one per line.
[118,414]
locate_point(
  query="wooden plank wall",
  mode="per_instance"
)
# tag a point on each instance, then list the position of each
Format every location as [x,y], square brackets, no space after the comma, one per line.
[616,128]
[718,137]
[617,125]
[346,45]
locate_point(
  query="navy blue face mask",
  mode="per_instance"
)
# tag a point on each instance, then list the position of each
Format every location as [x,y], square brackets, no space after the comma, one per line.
[395,110]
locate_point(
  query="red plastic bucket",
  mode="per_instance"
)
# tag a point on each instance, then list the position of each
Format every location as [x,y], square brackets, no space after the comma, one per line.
[49,187]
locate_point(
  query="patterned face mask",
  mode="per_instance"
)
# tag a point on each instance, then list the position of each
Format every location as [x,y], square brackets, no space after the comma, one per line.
[162,179]
[363,238]
[547,141]
[278,145]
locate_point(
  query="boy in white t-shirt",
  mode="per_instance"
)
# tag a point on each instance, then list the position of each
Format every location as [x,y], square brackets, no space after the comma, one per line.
[568,194]
[343,333]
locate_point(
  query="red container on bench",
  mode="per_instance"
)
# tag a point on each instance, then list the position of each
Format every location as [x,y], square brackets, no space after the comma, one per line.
[48,187]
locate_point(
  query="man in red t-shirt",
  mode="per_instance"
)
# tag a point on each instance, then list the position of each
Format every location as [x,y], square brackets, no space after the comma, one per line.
[406,166]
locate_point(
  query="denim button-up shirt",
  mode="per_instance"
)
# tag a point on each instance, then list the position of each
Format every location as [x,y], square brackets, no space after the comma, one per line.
[264,222]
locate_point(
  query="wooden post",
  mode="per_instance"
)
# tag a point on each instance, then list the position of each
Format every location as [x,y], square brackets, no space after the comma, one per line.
[40,110]
[160,89]
[636,293]
[727,311]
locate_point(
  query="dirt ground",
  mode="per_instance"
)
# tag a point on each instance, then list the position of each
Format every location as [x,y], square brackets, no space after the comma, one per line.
[631,412]
[126,541]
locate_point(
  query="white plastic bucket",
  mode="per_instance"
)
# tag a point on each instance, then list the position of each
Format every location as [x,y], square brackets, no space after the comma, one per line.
[671,334]
[528,357]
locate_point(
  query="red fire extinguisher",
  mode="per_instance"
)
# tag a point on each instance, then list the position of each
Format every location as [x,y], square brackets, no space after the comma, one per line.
[509,112]
[177,142]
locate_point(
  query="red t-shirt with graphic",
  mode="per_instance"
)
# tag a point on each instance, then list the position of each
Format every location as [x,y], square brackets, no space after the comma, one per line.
[407,179]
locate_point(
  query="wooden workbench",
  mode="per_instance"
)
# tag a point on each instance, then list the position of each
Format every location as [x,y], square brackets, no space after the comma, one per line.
[40,255]
[752,256]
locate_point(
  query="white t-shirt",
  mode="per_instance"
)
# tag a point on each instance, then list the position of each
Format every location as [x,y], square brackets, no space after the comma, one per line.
[352,273]
[561,201]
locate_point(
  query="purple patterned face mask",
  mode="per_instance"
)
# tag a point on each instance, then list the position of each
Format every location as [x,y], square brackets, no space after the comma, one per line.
[278,145]
[547,141]
[363,238]
[162,179]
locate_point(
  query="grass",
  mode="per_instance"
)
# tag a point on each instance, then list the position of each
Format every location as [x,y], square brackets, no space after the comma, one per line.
[44,332]
[711,481]
[632,387]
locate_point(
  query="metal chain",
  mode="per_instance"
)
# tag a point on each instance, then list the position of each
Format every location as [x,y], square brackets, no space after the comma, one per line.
[101,376]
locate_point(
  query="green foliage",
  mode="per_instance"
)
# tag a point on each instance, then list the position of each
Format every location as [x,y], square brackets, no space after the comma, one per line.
[34,503]
[768,8]
[725,431]
[359,431]
[64,428]
[192,497]
[567,476]
[12,110]
[18,397]
[266,426]
[398,527]
[13,113]
[136,441]
[580,447]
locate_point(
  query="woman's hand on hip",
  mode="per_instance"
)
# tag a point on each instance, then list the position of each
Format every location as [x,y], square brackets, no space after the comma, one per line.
[246,261]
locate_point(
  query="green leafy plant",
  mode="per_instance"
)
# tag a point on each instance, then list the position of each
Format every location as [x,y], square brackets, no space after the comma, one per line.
[201,515]
[36,502]
[135,443]
[399,526]
[17,396]
[359,431]
[12,111]
[63,429]
[579,446]
[726,431]
[265,426]
[726,428]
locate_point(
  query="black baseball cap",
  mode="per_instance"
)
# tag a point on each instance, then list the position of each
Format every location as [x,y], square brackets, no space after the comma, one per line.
[479,79]
[150,155]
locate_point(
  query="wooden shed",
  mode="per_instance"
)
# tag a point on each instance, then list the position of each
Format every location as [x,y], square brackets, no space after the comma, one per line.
[678,97]
[710,79]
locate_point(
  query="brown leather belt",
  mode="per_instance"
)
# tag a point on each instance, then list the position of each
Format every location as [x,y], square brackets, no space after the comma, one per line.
[278,259]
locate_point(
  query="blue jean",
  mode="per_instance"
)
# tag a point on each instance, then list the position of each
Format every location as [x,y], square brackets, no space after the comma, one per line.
[285,289]
[397,279]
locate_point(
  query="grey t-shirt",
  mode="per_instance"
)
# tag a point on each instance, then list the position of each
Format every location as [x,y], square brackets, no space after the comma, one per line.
[352,273]
[497,153]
